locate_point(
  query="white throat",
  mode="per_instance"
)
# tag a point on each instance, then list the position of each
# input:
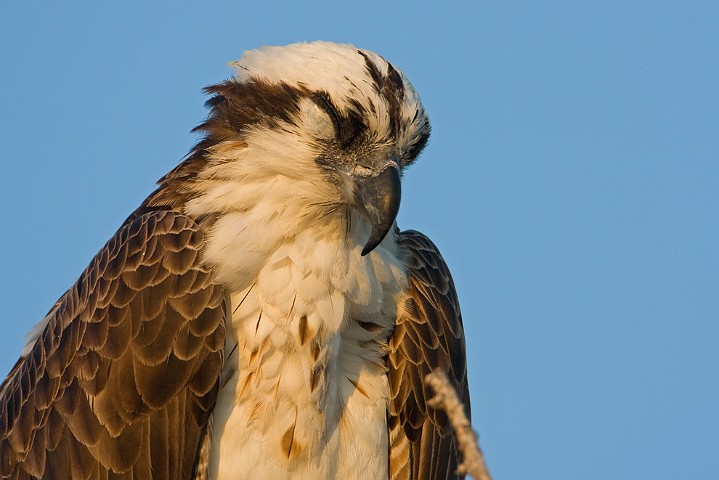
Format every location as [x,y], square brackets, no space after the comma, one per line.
[305,386]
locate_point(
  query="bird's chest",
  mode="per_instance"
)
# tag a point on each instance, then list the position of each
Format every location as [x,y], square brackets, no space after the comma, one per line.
[305,388]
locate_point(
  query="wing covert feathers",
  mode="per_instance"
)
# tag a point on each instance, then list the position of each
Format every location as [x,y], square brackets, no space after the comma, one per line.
[429,334]
[130,358]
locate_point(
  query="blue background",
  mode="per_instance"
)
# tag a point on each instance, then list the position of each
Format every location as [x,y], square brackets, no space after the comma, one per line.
[571,183]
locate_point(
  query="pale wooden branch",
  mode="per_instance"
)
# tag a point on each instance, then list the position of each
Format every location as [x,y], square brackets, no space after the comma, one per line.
[446,399]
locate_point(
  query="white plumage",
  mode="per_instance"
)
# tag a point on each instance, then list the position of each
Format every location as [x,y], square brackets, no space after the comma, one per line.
[305,264]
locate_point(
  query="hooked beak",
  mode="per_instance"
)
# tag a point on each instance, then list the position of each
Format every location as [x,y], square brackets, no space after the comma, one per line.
[377,199]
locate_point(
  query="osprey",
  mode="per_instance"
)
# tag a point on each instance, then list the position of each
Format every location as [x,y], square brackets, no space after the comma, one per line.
[260,315]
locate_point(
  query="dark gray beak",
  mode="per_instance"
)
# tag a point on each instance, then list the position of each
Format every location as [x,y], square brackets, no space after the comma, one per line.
[378,197]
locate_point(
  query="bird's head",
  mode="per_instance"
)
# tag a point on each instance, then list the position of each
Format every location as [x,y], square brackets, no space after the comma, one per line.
[315,124]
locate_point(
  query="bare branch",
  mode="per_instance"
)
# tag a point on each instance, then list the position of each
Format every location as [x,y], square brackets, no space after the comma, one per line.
[446,399]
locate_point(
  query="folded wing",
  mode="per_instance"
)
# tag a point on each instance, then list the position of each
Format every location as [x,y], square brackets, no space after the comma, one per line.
[429,335]
[124,375]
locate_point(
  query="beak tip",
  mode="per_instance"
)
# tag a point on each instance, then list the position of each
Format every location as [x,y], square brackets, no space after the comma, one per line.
[379,198]
[367,249]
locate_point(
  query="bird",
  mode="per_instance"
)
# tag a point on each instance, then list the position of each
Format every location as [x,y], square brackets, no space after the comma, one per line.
[260,314]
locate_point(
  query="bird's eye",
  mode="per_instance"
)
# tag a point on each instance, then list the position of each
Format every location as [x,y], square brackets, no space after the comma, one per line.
[322,99]
[362,170]
[347,127]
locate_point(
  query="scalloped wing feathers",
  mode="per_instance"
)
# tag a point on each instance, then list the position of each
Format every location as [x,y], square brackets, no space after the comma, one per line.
[130,357]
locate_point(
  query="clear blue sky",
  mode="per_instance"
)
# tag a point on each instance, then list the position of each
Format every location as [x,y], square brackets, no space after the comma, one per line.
[572,183]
